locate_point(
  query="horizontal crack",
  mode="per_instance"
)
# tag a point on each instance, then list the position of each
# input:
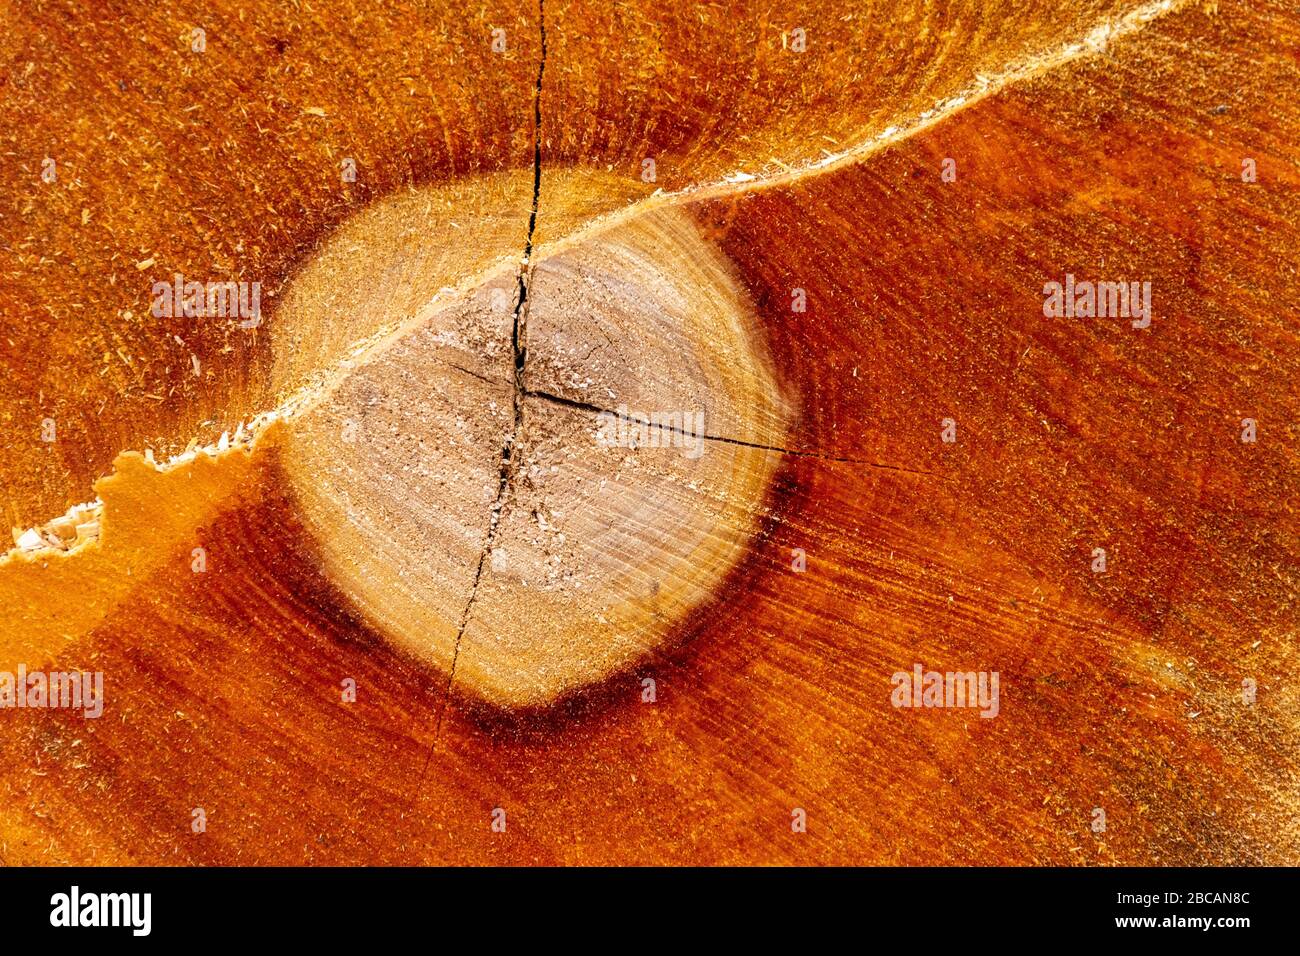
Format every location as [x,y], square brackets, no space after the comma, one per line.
[793,452]
[481,378]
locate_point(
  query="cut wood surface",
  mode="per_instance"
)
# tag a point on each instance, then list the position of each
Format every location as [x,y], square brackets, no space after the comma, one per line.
[665,383]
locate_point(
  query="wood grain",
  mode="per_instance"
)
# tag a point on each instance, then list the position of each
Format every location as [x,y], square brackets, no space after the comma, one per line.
[1122,690]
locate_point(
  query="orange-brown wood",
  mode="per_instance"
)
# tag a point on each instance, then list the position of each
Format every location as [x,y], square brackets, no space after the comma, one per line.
[1120,691]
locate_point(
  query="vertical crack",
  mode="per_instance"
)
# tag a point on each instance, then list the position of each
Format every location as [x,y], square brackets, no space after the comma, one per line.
[519,347]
